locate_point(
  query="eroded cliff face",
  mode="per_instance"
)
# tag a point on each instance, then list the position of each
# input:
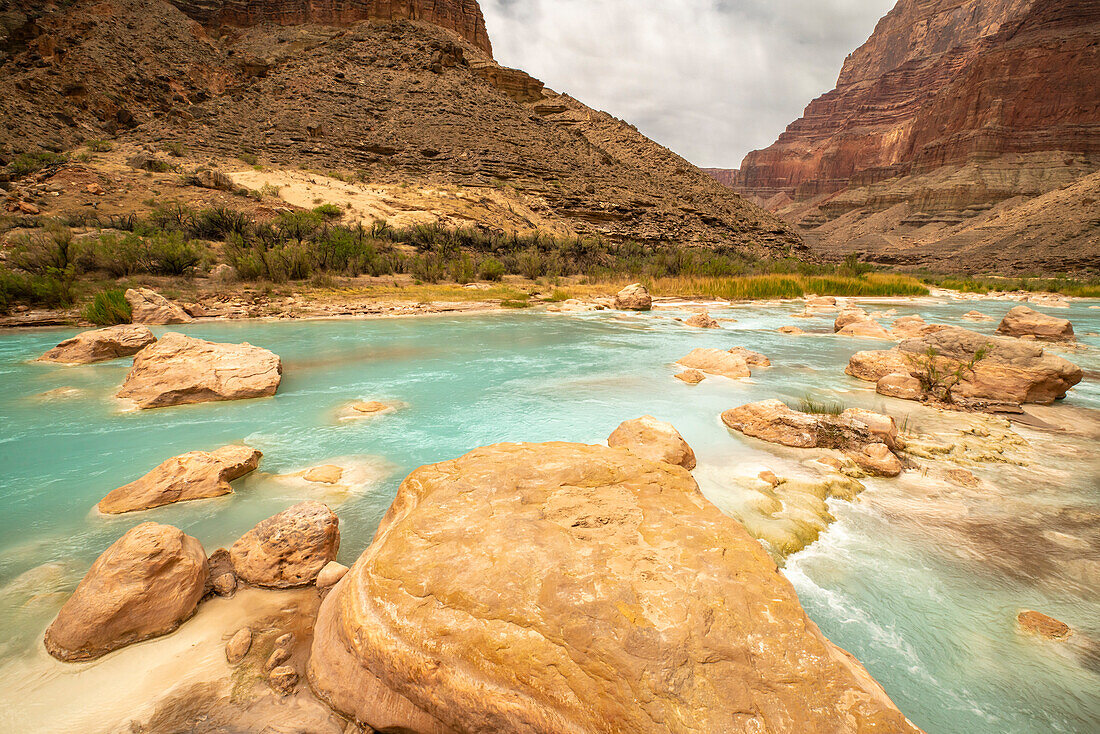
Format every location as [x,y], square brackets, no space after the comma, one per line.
[461,16]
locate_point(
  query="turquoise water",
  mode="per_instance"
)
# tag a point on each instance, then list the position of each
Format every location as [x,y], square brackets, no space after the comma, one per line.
[932,623]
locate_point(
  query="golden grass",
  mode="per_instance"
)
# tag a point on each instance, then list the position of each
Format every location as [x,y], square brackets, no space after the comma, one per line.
[422,292]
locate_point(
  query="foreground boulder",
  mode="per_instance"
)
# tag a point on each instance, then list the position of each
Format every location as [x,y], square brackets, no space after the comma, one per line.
[149,307]
[192,476]
[98,345]
[634,297]
[178,370]
[865,437]
[1026,322]
[1012,371]
[288,549]
[143,586]
[717,362]
[560,587]
[654,440]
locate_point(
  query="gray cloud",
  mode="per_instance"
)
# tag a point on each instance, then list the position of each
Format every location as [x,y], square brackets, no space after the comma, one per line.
[711,79]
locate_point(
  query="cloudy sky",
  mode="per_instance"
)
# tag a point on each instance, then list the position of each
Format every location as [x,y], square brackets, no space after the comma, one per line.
[711,79]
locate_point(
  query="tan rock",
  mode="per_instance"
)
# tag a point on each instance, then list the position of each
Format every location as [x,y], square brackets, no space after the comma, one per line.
[331,574]
[366,409]
[635,602]
[225,585]
[716,362]
[753,359]
[145,585]
[791,330]
[775,422]
[899,385]
[1023,321]
[702,320]
[178,370]
[865,330]
[288,549]
[277,657]
[326,474]
[283,680]
[653,440]
[238,645]
[634,297]
[768,477]
[691,377]
[191,476]
[849,316]
[976,316]
[909,327]
[1040,624]
[820,301]
[149,307]
[882,426]
[98,345]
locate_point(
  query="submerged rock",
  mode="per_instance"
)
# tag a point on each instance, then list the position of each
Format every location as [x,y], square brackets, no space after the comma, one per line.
[1040,624]
[326,474]
[599,588]
[862,436]
[654,440]
[1026,322]
[702,320]
[790,330]
[145,585]
[365,409]
[717,362]
[691,377]
[976,316]
[288,549]
[634,297]
[179,369]
[238,645]
[191,476]
[98,345]
[150,307]
[753,359]
[1012,371]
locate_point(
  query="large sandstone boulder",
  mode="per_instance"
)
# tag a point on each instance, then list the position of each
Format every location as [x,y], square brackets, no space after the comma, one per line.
[654,440]
[558,587]
[1023,321]
[179,370]
[717,362]
[866,329]
[864,437]
[1012,371]
[145,585]
[150,307]
[288,549]
[634,297]
[98,345]
[192,476]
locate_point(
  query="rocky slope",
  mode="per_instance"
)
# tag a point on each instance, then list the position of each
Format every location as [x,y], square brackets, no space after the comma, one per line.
[1000,93]
[387,101]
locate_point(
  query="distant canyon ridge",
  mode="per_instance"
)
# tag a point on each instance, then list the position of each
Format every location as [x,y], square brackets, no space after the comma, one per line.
[964,134]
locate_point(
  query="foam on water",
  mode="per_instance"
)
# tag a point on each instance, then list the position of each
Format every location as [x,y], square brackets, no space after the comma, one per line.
[930,617]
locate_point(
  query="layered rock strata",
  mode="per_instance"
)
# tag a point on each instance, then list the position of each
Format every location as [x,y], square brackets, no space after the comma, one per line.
[99,345]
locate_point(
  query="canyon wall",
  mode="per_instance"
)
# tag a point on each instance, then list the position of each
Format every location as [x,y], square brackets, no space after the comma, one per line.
[461,16]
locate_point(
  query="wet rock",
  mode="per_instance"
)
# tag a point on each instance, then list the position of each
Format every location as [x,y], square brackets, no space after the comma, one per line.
[899,385]
[98,345]
[654,440]
[149,307]
[191,476]
[865,330]
[145,585]
[326,474]
[790,330]
[691,377]
[283,680]
[1025,322]
[850,316]
[909,327]
[288,549]
[976,316]
[753,359]
[702,320]
[178,370]
[634,297]
[238,645]
[277,657]
[717,362]
[365,409]
[851,433]
[637,581]
[225,585]
[1040,624]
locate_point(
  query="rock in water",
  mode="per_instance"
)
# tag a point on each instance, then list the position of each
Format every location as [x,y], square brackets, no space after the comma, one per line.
[634,297]
[191,476]
[753,359]
[150,307]
[654,440]
[98,345]
[1040,624]
[691,377]
[238,645]
[899,385]
[288,549]
[702,320]
[178,370]
[862,436]
[145,585]
[717,362]
[1024,321]
[1012,371]
[599,588]
[850,316]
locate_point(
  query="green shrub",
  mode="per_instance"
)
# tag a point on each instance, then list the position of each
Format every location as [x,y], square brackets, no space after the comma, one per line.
[463,270]
[41,252]
[514,304]
[108,308]
[815,407]
[249,158]
[174,148]
[491,269]
[329,211]
[25,164]
[99,146]
[50,289]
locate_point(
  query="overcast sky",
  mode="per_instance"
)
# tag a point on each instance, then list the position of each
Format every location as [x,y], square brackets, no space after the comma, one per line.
[711,79]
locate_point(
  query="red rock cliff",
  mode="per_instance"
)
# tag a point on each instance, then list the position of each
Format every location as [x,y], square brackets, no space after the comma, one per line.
[940,82]
[461,16]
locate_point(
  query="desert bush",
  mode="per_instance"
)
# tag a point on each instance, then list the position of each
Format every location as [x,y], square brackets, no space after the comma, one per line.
[99,146]
[43,251]
[329,211]
[52,288]
[937,378]
[491,269]
[25,164]
[108,308]
[808,404]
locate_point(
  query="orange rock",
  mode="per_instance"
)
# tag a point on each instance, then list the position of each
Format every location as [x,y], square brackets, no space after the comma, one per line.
[98,345]
[1042,625]
[654,440]
[717,362]
[691,377]
[288,549]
